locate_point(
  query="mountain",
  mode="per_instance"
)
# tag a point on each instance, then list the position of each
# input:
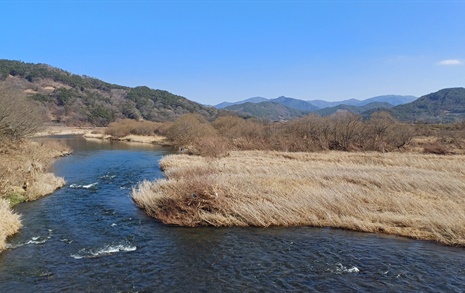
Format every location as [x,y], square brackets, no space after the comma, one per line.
[394,100]
[250,100]
[374,106]
[444,106]
[81,100]
[224,105]
[391,99]
[314,105]
[295,103]
[325,104]
[266,110]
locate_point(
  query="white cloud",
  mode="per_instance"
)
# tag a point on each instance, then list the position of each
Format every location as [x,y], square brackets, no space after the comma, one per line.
[449,62]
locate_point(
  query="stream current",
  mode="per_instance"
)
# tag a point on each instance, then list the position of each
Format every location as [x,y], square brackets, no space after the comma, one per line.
[90,237]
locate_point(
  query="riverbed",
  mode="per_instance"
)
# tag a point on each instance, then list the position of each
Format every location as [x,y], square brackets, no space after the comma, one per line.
[90,237]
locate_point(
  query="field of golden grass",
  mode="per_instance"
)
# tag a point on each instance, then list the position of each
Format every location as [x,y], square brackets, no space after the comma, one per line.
[414,195]
[24,177]
[9,222]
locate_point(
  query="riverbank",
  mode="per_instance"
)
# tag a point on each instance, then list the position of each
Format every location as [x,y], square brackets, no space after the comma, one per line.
[100,133]
[66,130]
[152,139]
[24,177]
[414,195]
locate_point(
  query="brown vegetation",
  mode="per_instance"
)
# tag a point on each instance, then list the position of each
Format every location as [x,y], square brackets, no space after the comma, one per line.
[197,135]
[126,127]
[24,177]
[19,117]
[9,222]
[414,195]
[342,131]
[23,169]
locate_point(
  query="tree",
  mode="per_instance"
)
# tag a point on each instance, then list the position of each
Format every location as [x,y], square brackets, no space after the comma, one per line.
[19,117]
[345,127]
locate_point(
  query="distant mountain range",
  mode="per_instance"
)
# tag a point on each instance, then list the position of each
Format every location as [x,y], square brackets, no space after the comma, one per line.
[294,108]
[443,106]
[81,100]
[313,105]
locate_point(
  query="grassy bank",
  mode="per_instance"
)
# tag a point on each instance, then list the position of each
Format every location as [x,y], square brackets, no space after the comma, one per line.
[414,195]
[9,222]
[24,177]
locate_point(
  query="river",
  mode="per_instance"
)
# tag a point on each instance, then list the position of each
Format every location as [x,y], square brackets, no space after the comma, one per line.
[90,237]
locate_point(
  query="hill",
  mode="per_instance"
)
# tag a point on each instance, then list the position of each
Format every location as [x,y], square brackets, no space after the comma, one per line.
[390,99]
[394,100]
[444,106]
[295,103]
[267,110]
[254,100]
[81,100]
[325,104]
[314,105]
[374,106]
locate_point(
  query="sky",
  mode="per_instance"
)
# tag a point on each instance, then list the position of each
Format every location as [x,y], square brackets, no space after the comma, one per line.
[230,50]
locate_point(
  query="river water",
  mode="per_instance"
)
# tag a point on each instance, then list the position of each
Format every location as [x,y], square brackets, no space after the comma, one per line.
[90,237]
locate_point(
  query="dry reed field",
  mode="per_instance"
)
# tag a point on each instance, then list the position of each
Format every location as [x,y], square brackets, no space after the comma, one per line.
[9,222]
[24,177]
[415,195]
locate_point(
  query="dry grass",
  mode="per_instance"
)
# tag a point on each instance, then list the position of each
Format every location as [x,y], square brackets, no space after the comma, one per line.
[23,177]
[415,195]
[23,169]
[64,130]
[9,222]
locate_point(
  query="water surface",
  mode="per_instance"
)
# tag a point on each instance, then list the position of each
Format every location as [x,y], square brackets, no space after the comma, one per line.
[90,237]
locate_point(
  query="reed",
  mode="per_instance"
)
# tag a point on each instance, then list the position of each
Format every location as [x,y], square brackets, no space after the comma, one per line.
[414,195]
[24,177]
[9,222]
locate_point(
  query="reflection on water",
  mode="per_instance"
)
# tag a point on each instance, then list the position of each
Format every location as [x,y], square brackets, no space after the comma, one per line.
[89,237]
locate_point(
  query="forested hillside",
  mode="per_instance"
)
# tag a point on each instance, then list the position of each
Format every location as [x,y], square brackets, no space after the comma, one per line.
[267,111]
[81,100]
[373,107]
[444,106]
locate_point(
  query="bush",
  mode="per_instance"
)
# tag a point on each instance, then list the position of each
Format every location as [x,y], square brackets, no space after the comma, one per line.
[193,132]
[126,127]
[436,148]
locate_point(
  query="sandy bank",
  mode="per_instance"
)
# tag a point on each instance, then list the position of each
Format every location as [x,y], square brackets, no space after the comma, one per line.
[414,195]
[99,133]
[65,130]
[152,139]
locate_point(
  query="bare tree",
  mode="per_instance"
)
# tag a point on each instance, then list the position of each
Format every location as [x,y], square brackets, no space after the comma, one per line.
[381,126]
[19,117]
[345,127]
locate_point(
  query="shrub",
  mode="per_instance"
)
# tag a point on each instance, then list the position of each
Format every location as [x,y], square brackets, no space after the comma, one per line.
[126,127]
[193,132]
[436,148]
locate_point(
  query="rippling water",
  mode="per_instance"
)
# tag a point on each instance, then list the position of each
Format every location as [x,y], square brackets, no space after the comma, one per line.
[89,237]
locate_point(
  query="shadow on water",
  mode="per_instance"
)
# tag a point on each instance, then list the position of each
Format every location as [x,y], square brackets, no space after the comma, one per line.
[89,237]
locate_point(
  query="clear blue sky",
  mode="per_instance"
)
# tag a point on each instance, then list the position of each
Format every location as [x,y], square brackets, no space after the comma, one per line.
[214,51]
